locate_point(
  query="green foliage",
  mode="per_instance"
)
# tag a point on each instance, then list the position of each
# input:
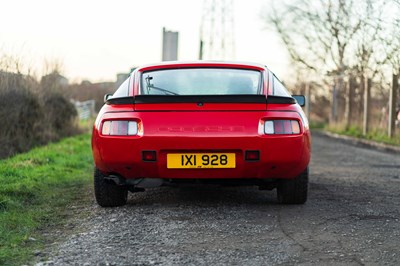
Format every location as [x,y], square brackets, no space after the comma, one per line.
[317,125]
[383,137]
[36,189]
[377,135]
[60,116]
[20,115]
[32,114]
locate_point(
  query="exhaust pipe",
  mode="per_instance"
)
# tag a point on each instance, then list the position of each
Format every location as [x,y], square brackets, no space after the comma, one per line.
[137,183]
[116,179]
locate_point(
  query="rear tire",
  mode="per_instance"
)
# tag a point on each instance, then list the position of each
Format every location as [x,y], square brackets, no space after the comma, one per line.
[293,191]
[107,193]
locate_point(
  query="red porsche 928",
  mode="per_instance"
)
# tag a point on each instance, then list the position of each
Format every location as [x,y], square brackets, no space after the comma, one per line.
[223,123]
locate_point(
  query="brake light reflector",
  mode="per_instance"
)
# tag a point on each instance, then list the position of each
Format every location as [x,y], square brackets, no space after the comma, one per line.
[269,127]
[281,127]
[120,128]
[252,156]
[295,127]
[149,156]
[278,127]
[106,128]
[287,126]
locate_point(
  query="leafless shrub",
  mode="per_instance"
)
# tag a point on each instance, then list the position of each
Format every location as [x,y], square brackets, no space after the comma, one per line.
[20,115]
[32,113]
[60,115]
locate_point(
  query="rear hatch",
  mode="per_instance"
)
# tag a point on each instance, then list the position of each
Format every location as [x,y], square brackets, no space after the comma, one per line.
[190,132]
[200,103]
[214,115]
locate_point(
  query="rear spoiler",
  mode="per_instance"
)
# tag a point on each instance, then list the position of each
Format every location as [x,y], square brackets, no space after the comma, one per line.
[244,98]
[240,98]
[300,99]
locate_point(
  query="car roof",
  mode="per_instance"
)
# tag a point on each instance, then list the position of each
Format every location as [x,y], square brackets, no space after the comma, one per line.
[190,64]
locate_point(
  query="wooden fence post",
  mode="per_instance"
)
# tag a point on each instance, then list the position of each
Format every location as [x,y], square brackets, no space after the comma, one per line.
[392,106]
[348,108]
[333,117]
[367,92]
[308,100]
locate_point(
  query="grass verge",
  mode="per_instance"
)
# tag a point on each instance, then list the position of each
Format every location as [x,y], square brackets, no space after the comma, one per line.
[374,135]
[36,187]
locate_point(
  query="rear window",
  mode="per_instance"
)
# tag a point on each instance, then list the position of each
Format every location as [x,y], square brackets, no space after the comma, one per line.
[279,89]
[201,81]
[123,90]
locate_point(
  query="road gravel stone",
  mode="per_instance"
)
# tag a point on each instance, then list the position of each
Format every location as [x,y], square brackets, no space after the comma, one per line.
[351,218]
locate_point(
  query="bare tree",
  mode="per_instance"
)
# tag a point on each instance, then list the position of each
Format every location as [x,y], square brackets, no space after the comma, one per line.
[393,58]
[317,34]
[339,42]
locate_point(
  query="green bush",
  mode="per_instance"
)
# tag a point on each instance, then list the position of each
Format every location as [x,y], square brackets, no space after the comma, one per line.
[32,114]
[20,115]
[60,116]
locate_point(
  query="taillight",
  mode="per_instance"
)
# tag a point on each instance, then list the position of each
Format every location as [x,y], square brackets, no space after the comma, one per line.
[120,128]
[281,127]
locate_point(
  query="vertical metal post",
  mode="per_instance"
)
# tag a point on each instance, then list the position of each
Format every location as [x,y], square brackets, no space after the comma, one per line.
[217,30]
[201,50]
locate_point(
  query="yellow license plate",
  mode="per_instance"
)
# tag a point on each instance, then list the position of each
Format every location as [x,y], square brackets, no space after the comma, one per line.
[201,160]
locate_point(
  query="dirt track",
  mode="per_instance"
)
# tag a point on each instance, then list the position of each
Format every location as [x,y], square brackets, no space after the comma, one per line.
[351,218]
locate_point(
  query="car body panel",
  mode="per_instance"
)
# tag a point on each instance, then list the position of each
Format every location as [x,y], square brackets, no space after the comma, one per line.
[201,127]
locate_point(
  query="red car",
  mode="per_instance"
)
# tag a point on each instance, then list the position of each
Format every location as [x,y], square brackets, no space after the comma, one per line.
[201,122]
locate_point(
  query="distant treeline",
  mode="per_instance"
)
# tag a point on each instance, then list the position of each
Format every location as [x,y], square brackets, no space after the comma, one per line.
[33,112]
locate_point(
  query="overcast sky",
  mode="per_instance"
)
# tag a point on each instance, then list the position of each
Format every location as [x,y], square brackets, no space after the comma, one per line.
[96,39]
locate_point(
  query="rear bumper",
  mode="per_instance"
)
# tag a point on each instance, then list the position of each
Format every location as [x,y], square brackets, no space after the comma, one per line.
[284,156]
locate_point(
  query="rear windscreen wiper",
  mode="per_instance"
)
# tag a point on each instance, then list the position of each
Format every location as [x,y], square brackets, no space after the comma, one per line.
[151,86]
[160,89]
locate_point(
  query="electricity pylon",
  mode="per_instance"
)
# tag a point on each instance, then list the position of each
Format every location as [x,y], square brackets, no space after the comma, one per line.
[217,40]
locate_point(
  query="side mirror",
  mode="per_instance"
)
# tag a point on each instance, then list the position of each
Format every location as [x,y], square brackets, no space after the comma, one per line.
[300,99]
[107,96]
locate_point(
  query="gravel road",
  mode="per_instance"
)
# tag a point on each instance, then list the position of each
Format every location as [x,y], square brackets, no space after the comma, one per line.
[351,218]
